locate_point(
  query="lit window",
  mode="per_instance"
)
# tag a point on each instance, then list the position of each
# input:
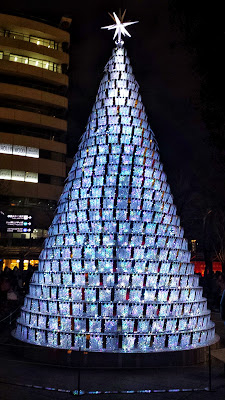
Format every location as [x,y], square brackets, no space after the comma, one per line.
[38,42]
[35,62]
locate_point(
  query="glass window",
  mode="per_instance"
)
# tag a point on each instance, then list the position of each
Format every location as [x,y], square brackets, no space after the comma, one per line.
[36,62]
[51,44]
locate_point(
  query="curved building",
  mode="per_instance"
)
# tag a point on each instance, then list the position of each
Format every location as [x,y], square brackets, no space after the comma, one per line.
[34,62]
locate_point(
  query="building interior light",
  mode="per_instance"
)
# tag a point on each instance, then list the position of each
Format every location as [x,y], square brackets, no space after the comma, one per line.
[26,61]
[15,59]
[47,65]
[36,63]
[38,42]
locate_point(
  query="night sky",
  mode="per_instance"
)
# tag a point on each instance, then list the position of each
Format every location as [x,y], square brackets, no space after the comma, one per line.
[176,52]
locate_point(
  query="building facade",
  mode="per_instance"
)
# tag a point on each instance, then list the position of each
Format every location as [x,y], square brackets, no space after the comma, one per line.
[34,83]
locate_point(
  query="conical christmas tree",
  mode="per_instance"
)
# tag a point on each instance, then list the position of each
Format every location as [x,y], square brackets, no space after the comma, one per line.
[115,272]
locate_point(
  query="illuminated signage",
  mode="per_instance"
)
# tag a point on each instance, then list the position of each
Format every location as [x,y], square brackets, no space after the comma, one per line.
[18,223]
[5,174]
[5,148]
[18,230]
[19,216]
[18,150]
[20,176]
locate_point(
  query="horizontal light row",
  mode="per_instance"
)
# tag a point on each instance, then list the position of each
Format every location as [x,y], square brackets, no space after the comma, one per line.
[137,153]
[125,255]
[121,250]
[177,273]
[120,266]
[123,343]
[112,135]
[115,294]
[118,92]
[116,182]
[142,281]
[112,210]
[113,151]
[112,120]
[118,83]
[104,226]
[118,101]
[124,181]
[121,139]
[119,67]
[118,309]
[93,205]
[117,228]
[99,170]
[142,268]
[128,199]
[120,56]
[107,193]
[156,313]
[93,243]
[116,111]
[90,325]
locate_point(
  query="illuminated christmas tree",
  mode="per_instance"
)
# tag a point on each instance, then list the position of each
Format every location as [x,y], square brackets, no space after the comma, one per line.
[115,272]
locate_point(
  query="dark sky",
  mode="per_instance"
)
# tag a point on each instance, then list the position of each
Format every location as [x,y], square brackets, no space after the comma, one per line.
[162,64]
[176,52]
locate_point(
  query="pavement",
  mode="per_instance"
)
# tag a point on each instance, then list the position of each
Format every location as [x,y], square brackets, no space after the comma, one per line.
[21,379]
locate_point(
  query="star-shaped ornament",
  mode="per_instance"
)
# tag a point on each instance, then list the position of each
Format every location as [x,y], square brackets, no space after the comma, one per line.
[119,27]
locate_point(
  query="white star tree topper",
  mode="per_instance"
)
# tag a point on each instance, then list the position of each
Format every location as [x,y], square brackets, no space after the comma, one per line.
[119,27]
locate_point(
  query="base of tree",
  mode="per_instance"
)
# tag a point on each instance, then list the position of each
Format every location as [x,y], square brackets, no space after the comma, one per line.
[84,359]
